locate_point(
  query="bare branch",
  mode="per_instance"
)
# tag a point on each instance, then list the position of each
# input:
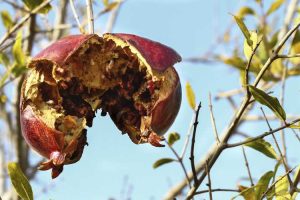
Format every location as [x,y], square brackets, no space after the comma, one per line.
[60,19]
[248,66]
[212,118]
[289,56]
[180,162]
[90,16]
[81,29]
[247,166]
[192,158]
[217,190]
[262,135]
[209,181]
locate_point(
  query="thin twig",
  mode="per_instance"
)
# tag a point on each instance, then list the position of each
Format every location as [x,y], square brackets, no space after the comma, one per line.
[269,117]
[60,19]
[217,190]
[261,135]
[283,161]
[81,29]
[248,66]
[188,135]
[192,157]
[17,26]
[282,92]
[247,166]
[90,15]
[277,146]
[212,118]
[180,162]
[296,134]
[289,56]
[266,119]
[209,181]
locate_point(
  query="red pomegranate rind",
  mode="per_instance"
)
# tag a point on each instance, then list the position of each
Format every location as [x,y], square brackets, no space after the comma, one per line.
[61,50]
[41,138]
[157,55]
[165,111]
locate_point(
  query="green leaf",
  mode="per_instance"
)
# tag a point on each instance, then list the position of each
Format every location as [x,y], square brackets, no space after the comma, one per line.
[32,4]
[263,146]
[3,99]
[4,59]
[245,11]
[282,189]
[234,61]
[17,50]
[269,101]
[295,48]
[19,70]
[6,19]
[162,161]
[6,75]
[173,137]
[244,30]
[190,95]
[263,183]
[274,6]
[19,181]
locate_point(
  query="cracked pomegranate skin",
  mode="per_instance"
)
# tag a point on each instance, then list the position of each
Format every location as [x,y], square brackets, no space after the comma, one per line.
[61,137]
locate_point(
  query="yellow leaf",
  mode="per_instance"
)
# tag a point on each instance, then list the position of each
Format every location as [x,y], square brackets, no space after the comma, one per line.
[190,95]
[247,48]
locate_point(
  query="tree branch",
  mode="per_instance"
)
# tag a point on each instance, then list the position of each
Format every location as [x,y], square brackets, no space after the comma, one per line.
[16,27]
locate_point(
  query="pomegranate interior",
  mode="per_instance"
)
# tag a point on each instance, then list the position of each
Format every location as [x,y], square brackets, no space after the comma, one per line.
[115,81]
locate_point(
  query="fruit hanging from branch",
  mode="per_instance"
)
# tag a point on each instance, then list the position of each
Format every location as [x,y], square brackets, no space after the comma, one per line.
[129,77]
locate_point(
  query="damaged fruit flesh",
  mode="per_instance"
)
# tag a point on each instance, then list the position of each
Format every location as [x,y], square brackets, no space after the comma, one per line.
[64,90]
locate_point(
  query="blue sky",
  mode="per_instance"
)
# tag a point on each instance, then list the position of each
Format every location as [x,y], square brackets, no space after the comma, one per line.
[112,160]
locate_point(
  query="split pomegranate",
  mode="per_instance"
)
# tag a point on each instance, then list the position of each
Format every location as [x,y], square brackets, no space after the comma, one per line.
[129,77]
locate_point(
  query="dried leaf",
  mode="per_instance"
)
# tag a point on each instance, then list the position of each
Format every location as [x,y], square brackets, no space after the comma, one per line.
[269,101]
[190,96]
[263,146]
[162,161]
[19,181]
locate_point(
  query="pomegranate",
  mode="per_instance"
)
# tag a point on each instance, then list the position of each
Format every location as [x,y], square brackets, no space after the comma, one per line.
[129,77]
